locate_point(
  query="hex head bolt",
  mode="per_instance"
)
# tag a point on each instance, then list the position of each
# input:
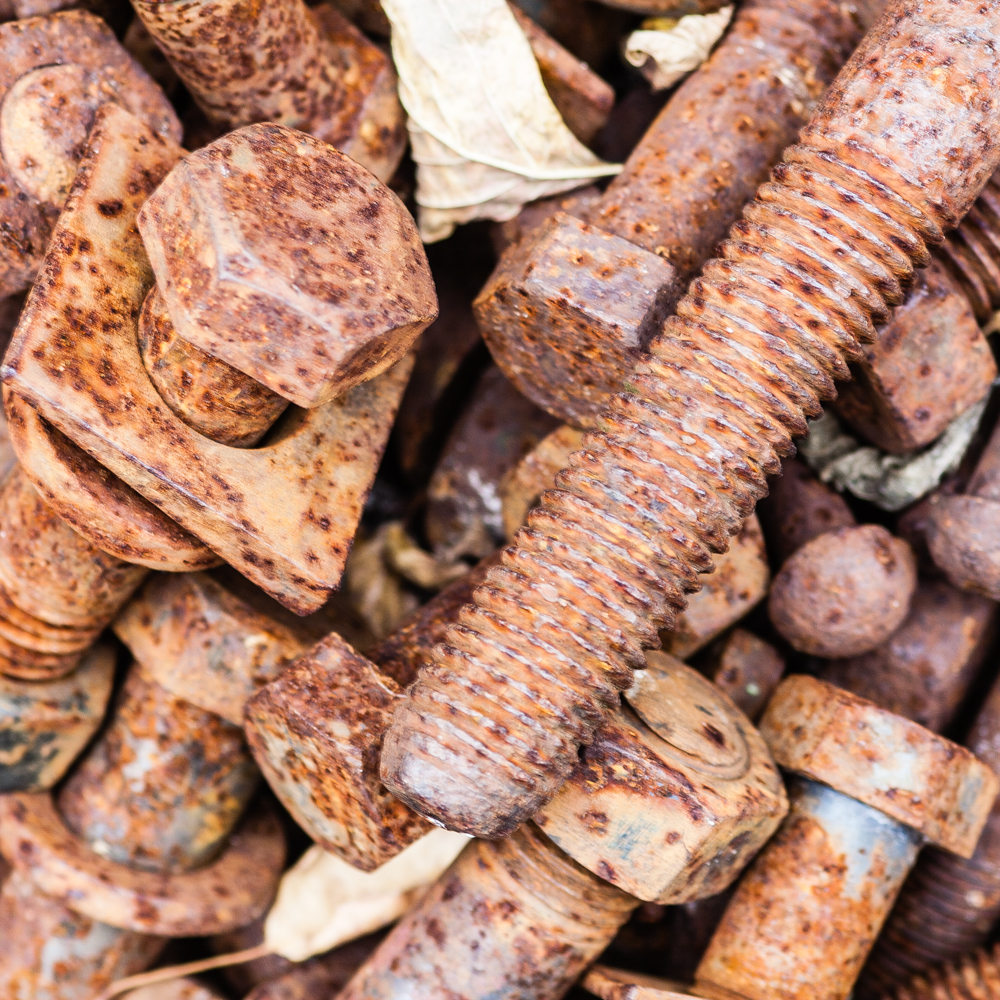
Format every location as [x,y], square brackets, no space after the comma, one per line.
[265,324]
[962,529]
[283,62]
[140,843]
[571,309]
[949,905]
[874,788]
[55,71]
[672,800]
[490,730]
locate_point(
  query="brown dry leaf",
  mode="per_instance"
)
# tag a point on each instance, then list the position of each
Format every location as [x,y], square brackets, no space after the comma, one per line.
[485,134]
[324,902]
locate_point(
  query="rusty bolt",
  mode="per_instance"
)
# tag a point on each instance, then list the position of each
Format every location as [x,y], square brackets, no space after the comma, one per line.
[55,72]
[962,529]
[930,363]
[873,788]
[309,69]
[949,905]
[569,310]
[752,351]
[673,798]
[844,592]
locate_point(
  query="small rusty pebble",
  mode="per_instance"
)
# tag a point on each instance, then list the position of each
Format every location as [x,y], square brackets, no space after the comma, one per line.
[844,592]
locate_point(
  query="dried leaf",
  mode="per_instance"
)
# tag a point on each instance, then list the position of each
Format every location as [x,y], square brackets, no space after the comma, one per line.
[891,482]
[665,54]
[417,565]
[486,136]
[323,902]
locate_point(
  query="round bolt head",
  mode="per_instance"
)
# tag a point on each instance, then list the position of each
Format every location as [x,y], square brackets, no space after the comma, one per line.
[844,592]
[675,794]
[289,261]
[963,534]
[881,759]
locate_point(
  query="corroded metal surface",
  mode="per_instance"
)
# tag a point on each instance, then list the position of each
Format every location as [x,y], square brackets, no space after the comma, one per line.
[970,978]
[316,732]
[226,894]
[887,762]
[51,953]
[203,644]
[948,905]
[94,501]
[738,582]
[224,496]
[798,508]
[55,72]
[311,70]
[807,911]
[57,591]
[581,97]
[962,530]
[845,592]
[46,724]
[747,668]
[544,313]
[923,671]
[752,351]
[496,430]
[309,320]
[207,394]
[930,363]
[531,916]
[674,796]
[164,784]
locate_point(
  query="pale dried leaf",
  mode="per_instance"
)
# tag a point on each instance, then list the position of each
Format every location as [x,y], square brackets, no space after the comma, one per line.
[375,591]
[664,56]
[891,482]
[324,902]
[485,134]
[417,565]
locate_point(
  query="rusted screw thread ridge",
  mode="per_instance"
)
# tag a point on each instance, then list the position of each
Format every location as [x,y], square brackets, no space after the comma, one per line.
[492,727]
[972,252]
[974,977]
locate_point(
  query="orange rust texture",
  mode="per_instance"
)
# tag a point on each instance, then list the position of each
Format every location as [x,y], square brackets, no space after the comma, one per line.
[683,186]
[808,909]
[57,591]
[247,62]
[949,905]
[514,919]
[163,786]
[973,977]
[930,363]
[753,350]
[51,953]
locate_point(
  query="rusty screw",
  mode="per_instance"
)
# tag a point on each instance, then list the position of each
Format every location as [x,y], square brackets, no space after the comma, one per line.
[969,978]
[696,798]
[487,734]
[962,529]
[874,788]
[307,68]
[569,310]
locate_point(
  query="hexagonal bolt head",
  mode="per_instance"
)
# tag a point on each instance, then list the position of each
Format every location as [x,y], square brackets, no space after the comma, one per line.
[289,261]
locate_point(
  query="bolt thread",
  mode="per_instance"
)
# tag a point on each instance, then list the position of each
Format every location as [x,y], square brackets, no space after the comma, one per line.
[492,727]
[974,977]
[972,252]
